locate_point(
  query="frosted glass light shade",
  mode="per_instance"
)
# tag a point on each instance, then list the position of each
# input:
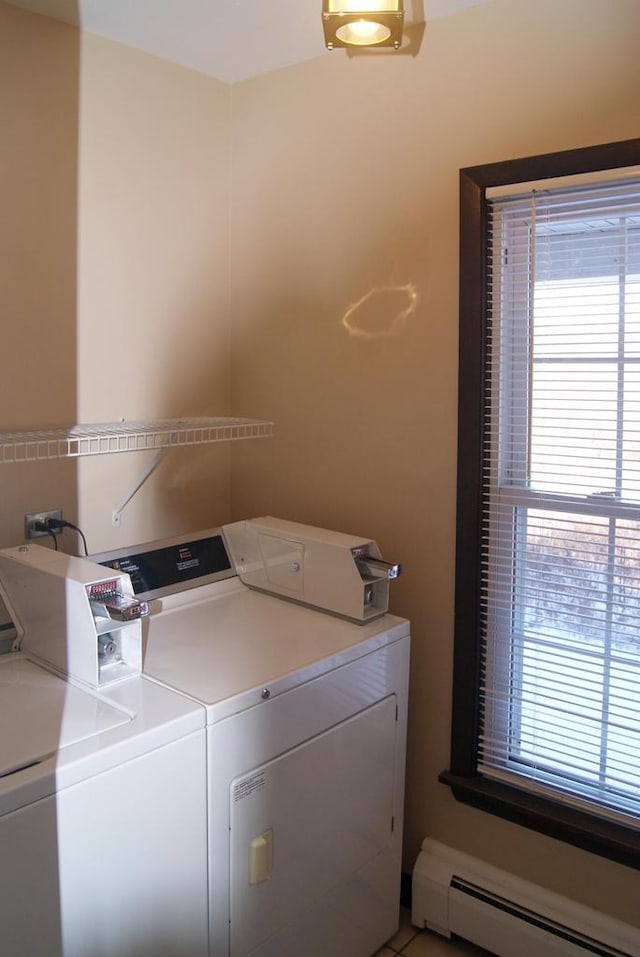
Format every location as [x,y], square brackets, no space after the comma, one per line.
[362,23]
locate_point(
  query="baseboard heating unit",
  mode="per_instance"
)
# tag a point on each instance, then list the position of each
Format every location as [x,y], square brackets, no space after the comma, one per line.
[455,894]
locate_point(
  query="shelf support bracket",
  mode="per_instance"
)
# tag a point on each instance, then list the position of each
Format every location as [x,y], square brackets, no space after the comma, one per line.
[148,472]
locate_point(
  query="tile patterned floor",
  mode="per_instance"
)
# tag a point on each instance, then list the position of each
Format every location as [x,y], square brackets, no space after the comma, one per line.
[411,942]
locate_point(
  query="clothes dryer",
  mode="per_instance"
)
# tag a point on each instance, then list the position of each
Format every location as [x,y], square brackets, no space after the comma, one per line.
[306,730]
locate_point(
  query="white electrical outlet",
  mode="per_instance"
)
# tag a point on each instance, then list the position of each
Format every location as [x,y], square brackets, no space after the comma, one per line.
[31,519]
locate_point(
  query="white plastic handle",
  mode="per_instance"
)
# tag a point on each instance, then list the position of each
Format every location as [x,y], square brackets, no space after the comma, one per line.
[261,857]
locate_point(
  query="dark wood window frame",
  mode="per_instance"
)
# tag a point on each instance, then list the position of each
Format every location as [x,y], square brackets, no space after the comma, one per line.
[585,830]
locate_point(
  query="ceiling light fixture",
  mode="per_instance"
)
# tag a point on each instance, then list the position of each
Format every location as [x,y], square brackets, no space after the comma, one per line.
[362,23]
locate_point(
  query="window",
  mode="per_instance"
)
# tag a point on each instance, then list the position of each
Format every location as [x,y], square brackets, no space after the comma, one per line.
[546,723]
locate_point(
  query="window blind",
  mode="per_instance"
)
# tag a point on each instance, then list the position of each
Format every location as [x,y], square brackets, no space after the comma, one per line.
[560,551]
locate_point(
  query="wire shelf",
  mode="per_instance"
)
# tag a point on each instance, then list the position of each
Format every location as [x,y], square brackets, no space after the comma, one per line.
[106,438]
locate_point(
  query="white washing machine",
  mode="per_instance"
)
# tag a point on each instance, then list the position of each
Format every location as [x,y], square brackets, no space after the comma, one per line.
[306,729]
[103,817]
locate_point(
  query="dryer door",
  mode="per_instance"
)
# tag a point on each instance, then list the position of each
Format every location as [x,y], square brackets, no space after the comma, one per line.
[309,827]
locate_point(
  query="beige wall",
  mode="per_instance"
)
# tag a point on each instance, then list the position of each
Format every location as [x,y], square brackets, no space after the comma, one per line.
[353,189]
[39,65]
[114,268]
[153,328]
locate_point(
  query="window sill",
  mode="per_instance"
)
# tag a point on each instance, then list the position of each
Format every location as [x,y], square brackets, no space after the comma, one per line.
[586,831]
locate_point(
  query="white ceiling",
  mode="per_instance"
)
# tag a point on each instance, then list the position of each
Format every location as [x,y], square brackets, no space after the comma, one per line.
[231,40]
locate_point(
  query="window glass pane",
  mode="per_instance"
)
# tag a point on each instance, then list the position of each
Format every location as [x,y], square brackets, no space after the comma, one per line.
[574,424]
[630,450]
[578,579]
[632,317]
[625,610]
[576,318]
[584,248]
[579,717]
[560,711]
[576,656]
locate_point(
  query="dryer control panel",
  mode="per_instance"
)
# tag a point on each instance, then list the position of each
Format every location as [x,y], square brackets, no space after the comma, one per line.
[345,575]
[161,568]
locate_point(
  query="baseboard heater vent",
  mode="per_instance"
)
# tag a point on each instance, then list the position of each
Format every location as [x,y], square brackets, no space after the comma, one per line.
[455,894]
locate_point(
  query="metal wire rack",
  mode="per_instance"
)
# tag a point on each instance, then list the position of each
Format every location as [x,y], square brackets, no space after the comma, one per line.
[110,437]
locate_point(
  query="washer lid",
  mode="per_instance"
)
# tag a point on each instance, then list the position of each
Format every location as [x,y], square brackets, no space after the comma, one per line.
[41,714]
